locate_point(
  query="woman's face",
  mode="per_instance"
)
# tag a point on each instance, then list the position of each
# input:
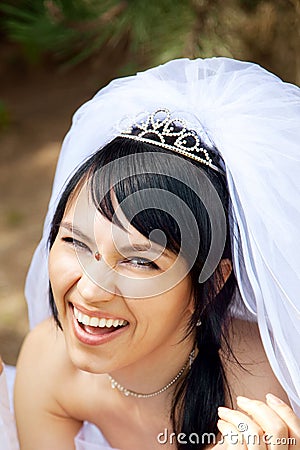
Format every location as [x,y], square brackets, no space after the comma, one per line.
[121,299]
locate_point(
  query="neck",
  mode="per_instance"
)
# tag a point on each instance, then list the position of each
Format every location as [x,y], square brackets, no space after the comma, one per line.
[154,377]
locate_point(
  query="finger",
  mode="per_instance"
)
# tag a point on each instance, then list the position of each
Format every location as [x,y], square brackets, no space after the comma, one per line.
[287,415]
[1,365]
[250,430]
[268,420]
[231,437]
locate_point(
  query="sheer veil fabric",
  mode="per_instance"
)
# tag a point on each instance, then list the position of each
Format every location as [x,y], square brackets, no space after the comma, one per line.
[8,432]
[253,118]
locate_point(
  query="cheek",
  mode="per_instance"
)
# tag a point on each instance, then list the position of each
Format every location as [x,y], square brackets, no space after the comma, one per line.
[169,312]
[64,271]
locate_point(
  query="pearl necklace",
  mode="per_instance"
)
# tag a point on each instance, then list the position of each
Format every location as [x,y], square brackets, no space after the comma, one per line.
[128,392]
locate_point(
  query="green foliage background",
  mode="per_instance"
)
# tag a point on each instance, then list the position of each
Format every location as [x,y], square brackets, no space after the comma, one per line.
[68,32]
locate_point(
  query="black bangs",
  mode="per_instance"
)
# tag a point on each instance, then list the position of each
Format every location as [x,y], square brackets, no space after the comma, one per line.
[144,182]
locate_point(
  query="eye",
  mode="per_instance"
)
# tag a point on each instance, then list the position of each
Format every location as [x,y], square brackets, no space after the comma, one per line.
[141,263]
[77,244]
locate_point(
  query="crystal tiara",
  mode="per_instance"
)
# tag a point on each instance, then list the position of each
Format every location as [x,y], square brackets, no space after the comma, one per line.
[171,133]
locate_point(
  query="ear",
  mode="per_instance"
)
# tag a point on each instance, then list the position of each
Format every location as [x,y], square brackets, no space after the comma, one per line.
[225,269]
[222,273]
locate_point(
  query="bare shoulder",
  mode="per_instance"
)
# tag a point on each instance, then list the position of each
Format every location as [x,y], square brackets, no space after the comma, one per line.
[43,371]
[43,354]
[39,340]
[44,364]
[250,374]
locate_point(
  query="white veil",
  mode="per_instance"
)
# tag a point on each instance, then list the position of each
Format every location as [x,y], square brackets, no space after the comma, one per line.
[253,118]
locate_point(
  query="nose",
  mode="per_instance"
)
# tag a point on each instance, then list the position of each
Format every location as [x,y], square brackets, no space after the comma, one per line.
[97,285]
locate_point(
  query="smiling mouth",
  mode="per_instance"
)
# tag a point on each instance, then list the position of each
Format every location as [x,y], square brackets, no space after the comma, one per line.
[96,325]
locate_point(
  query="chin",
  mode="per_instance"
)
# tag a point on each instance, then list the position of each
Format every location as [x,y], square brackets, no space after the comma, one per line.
[86,363]
[81,359]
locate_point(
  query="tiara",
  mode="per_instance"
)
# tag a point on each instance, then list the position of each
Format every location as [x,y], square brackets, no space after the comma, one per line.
[160,129]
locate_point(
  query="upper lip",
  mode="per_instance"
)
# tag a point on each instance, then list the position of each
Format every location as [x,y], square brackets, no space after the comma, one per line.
[97,313]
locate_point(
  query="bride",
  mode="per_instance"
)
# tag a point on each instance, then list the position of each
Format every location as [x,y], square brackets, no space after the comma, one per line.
[173,288]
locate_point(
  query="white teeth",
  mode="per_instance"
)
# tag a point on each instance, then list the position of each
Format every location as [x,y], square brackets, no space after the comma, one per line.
[96,322]
[109,323]
[102,323]
[85,320]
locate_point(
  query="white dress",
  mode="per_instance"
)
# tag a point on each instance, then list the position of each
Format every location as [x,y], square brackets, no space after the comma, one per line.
[8,434]
[88,438]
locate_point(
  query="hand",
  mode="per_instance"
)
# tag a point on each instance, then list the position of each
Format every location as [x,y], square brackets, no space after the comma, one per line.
[272,425]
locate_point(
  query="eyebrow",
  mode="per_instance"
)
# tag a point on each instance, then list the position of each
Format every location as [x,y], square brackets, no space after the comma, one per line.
[70,227]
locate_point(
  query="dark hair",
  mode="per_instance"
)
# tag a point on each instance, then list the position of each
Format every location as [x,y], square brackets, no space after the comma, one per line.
[195,402]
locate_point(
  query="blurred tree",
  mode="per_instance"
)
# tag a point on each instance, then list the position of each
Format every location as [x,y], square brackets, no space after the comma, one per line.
[66,31]
[74,30]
